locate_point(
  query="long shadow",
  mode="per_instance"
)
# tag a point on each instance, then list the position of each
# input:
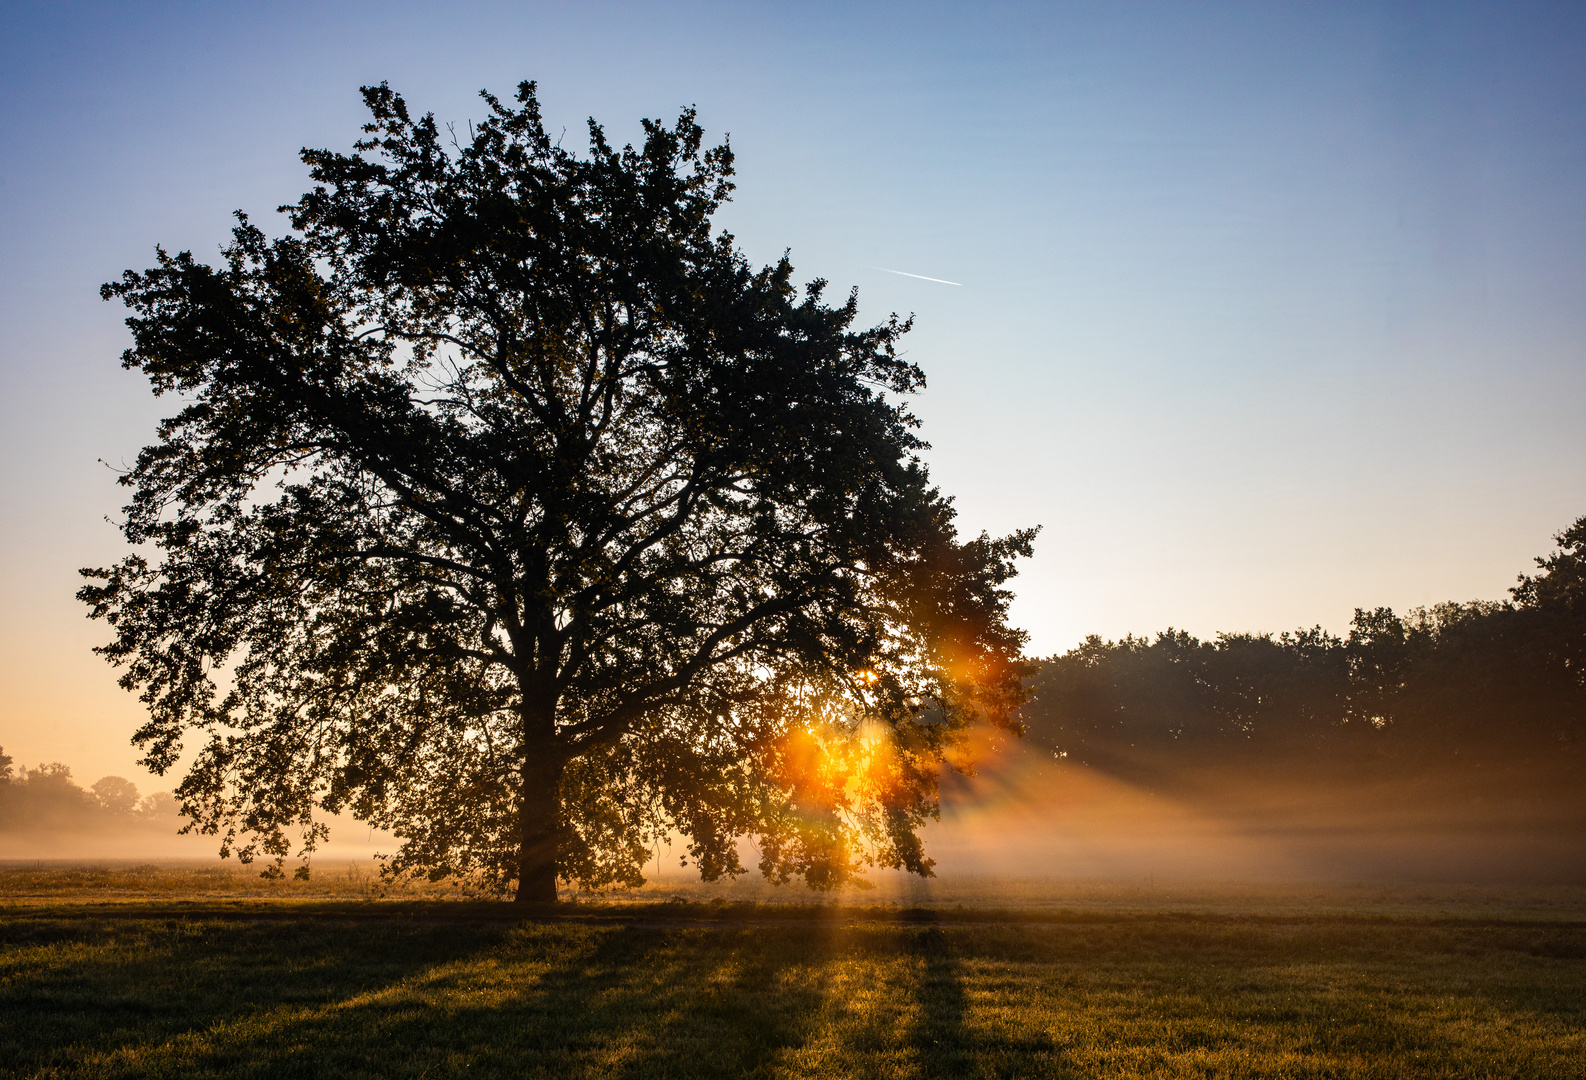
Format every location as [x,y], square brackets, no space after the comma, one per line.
[401,996]
[551,1000]
[948,1041]
[941,1038]
[79,988]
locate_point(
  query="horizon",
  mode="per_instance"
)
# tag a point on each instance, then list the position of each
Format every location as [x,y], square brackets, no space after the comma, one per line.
[1263,314]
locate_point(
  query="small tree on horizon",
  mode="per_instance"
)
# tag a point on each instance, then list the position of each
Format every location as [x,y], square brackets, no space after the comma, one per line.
[510,509]
[116,794]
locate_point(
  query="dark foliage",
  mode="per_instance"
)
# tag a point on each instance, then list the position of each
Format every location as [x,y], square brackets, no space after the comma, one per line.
[511,510]
[1478,681]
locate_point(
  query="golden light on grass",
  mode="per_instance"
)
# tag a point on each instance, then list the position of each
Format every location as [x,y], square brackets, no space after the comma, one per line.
[250,987]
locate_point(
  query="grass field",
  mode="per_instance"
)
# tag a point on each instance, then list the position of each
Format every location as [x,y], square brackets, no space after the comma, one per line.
[100,976]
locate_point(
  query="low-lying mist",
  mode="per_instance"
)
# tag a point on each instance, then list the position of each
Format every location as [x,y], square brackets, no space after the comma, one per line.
[1447,744]
[46,815]
[1024,814]
[1027,813]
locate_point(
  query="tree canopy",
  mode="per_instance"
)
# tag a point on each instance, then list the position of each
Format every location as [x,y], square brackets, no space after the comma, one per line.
[1482,681]
[509,508]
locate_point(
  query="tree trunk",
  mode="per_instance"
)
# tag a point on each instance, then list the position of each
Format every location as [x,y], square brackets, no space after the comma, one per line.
[541,839]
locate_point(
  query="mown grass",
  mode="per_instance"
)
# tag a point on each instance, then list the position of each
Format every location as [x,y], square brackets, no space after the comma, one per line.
[23,881]
[33,882]
[328,988]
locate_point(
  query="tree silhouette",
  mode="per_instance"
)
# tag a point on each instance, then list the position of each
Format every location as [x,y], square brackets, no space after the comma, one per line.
[510,509]
[1556,601]
[115,794]
[1480,681]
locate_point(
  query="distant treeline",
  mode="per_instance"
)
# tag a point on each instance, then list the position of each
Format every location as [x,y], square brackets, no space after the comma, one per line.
[47,798]
[1477,683]
[1473,683]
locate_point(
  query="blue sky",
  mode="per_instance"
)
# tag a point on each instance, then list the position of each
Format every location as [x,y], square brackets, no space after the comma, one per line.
[1267,310]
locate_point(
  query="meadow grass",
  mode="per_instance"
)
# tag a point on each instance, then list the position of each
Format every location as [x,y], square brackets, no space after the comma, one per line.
[306,986]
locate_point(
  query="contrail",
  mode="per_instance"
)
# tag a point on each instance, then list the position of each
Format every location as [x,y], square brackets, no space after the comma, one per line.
[922,277]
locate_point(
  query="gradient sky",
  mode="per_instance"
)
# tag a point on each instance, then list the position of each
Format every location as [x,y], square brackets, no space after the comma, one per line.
[1268,311]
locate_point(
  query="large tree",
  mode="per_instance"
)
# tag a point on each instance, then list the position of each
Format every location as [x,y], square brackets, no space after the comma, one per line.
[510,509]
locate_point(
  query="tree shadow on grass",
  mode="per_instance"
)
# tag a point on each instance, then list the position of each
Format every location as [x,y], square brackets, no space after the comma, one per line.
[940,1036]
[948,1041]
[408,995]
[622,1001]
[97,994]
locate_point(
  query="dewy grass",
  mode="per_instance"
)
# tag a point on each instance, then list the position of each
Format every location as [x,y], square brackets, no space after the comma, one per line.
[428,989]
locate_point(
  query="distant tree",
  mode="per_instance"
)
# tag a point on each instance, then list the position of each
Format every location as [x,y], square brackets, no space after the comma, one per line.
[1284,693]
[116,794]
[7,789]
[1562,583]
[1117,703]
[1556,599]
[45,798]
[158,806]
[508,508]
[1377,651]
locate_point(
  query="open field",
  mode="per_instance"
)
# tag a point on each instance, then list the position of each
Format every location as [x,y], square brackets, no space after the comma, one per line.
[102,978]
[36,882]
